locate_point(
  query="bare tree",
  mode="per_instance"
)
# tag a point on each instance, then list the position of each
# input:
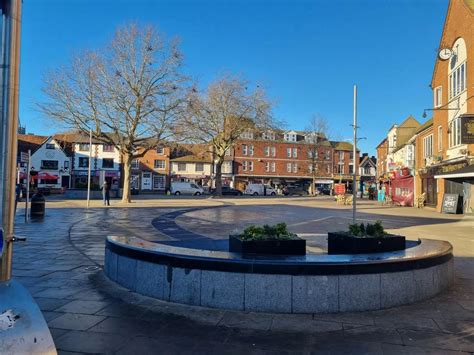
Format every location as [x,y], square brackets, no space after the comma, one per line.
[219,116]
[128,93]
[317,135]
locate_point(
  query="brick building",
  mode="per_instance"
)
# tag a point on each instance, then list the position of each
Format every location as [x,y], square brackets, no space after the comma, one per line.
[425,182]
[382,152]
[151,172]
[452,137]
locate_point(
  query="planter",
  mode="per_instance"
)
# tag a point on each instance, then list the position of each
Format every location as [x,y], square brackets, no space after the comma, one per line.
[296,246]
[345,243]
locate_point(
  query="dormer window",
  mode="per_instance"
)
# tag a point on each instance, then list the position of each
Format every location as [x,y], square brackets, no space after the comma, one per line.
[247,135]
[269,135]
[290,137]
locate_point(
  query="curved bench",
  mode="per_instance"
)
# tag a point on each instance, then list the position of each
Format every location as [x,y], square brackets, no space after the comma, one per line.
[286,284]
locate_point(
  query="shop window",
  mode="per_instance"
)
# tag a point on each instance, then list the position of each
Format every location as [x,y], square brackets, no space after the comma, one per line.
[107,163]
[83,162]
[158,182]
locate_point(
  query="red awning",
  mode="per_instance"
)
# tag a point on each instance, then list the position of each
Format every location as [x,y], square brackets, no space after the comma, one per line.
[45,176]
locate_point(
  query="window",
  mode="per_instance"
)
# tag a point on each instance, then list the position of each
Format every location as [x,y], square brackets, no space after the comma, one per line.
[438,96]
[455,132]
[50,146]
[289,137]
[288,167]
[160,150]
[310,168]
[107,163]
[295,167]
[351,156]
[295,152]
[340,168]
[49,164]
[244,166]
[288,152]
[328,169]
[247,135]
[428,146]
[367,170]
[267,166]
[244,149]
[159,164]
[181,166]
[310,154]
[327,155]
[351,169]
[341,155]
[251,150]
[457,81]
[250,165]
[66,164]
[83,162]
[84,147]
[199,167]
[273,167]
[440,138]
[135,164]
[108,148]
[268,135]
[158,182]
[273,149]
[266,151]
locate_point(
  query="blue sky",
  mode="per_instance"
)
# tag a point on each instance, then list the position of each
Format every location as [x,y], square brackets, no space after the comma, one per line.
[308,54]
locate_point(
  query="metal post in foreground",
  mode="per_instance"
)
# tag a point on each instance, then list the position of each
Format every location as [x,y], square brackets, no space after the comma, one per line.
[354,155]
[9,120]
[89,169]
[27,199]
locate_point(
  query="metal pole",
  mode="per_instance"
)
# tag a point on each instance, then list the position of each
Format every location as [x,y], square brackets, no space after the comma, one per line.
[354,152]
[89,169]
[11,68]
[18,173]
[27,199]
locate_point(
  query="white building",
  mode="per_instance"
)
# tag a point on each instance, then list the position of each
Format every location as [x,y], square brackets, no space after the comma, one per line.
[52,164]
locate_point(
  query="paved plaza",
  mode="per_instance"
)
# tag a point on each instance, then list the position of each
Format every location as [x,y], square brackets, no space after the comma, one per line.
[61,264]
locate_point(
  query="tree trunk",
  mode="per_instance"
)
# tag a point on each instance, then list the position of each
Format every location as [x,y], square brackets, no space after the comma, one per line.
[313,188]
[127,168]
[218,177]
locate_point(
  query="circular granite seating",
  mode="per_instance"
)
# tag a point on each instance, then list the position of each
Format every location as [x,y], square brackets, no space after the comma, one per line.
[300,284]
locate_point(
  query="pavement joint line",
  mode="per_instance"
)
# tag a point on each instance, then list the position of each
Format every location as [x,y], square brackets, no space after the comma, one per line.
[74,245]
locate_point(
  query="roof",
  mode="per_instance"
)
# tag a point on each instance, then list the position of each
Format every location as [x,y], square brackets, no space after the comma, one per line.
[342,145]
[382,142]
[409,122]
[193,159]
[30,142]
[75,138]
[191,153]
[371,160]
[425,125]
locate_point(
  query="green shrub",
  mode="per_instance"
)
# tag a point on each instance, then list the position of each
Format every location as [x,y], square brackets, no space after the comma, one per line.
[367,230]
[266,232]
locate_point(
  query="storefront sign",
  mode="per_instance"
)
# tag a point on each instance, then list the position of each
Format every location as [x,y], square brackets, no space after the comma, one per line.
[467,129]
[450,203]
[443,169]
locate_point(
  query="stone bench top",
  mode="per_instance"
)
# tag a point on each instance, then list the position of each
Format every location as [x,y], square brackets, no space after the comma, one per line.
[424,253]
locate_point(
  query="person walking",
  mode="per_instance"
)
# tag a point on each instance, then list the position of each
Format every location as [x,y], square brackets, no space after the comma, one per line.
[106,193]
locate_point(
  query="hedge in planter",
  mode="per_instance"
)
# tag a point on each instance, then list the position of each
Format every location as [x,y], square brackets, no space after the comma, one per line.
[362,239]
[267,240]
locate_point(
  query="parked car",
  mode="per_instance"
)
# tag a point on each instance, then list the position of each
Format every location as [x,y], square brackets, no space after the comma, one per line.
[260,190]
[186,188]
[324,191]
[227,190]
[294,190]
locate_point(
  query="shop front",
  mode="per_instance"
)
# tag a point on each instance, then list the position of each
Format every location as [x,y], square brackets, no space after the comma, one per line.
[402,187]
[459,182]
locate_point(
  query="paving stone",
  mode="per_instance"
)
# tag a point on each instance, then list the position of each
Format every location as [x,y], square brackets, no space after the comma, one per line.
[49,316]
[222,290]
[359,292]
[127,326]
[315,294]
[185,285]
[394,349]
[150,278]
[270,293]
[75,321]
[373,334]
[90,342]
[50,304]
[84,307]
[438,340]
[251,320]
[303,323]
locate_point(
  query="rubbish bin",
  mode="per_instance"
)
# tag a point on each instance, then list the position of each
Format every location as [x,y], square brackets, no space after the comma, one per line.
[38,205]
[134,191]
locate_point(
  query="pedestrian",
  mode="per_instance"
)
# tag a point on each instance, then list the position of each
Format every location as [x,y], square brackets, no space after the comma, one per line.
[17,194]
[106,193]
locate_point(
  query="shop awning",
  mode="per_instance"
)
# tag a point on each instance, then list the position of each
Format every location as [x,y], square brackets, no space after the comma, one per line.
[45,176]
[466,172]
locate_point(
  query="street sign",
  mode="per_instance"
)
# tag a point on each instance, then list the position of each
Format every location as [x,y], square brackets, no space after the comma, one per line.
[23,157]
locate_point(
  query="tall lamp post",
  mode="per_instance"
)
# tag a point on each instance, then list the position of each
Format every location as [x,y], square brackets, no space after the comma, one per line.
[354,154]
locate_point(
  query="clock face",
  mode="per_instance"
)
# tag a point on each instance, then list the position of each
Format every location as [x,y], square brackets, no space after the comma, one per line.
[445,54]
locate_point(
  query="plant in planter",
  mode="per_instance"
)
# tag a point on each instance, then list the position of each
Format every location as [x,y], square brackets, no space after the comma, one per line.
[267,239]
[364,238]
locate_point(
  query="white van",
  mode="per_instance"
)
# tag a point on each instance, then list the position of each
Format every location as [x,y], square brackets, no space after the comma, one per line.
[190,188]
[260,190]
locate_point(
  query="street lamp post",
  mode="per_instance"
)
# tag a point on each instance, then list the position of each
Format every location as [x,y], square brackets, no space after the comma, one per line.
[354,154]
